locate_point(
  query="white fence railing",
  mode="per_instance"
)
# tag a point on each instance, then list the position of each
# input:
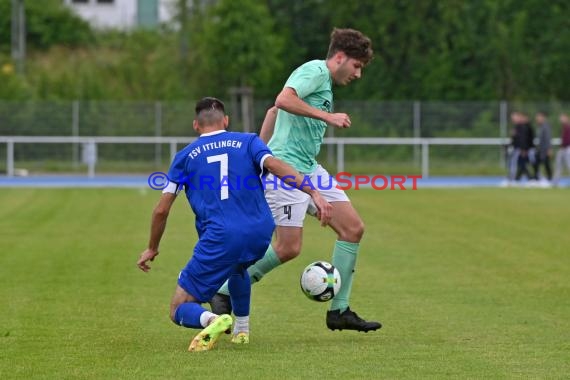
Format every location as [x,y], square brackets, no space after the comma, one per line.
[89,146]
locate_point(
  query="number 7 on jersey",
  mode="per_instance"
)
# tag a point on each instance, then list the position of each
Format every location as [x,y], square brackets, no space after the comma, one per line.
[223,160]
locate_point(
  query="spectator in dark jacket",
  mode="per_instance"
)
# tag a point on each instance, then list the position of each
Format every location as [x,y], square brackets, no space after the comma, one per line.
[563,155]
[515,151]
[544,145]
[525,140]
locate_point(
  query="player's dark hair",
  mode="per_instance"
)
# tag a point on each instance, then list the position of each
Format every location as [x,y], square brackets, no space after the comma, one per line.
[352,43]
[209,111]
[209,103]
[543,113]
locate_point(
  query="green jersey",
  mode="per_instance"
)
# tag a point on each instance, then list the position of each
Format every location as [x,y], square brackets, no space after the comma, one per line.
[296,139]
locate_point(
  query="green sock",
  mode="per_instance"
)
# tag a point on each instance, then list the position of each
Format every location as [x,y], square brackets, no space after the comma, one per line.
[256,272]
[344,259]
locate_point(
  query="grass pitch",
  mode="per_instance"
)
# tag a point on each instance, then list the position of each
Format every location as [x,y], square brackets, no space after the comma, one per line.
[468,284]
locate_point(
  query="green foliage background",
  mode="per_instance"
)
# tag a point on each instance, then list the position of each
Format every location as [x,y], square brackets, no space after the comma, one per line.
[425,50]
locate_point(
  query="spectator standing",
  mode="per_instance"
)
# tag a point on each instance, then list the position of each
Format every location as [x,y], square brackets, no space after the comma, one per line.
[525,140]
[563,154]
[544,145]
[514,152]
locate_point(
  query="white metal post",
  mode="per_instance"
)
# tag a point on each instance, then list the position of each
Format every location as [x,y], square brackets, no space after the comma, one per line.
[417,124]
[503,125]
[330,154]
[158,133]
[340,157]
[91,154]
[172,149]
[10,158]
[425,159]
[75,132]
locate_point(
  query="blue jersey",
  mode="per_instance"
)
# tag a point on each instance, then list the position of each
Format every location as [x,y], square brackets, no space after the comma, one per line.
[220,173]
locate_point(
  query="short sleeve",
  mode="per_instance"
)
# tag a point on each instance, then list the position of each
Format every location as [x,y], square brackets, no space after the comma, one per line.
[177,171]
[307,79]
[259,151]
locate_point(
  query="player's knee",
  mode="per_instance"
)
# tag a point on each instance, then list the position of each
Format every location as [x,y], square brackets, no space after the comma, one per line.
[357,231]
[173,309]
[287,252]
[290,255]
[353,232]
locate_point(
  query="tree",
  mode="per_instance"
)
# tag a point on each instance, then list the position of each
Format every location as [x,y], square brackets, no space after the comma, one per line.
[235,45]
[458,50]
[305,26]
[48,23]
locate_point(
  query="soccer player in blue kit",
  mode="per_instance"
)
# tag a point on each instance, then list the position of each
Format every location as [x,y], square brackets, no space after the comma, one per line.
[220,173]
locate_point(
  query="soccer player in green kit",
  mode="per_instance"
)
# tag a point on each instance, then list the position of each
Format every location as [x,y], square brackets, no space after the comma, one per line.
[297,125]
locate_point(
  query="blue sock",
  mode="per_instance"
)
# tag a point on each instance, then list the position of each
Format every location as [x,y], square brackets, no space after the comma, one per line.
[188,315]
[240,291]
[256,272]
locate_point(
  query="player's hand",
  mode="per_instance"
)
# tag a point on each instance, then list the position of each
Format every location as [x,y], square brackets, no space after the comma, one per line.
[147,255]
[339,120]
[324,213]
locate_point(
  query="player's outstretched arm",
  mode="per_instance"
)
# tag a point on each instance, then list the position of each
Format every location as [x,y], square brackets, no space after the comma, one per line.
[157,226]
[293,178]
[268,125]
[289,101]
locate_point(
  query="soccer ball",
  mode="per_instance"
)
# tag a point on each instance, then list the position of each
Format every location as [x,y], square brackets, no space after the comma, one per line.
[320,281]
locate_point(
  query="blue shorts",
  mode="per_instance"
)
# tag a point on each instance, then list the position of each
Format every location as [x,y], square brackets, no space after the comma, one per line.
[202,279]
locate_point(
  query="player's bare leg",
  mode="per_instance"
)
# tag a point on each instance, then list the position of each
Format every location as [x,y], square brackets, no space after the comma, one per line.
[288,242]
[180,296]
[346,222]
